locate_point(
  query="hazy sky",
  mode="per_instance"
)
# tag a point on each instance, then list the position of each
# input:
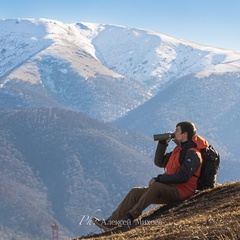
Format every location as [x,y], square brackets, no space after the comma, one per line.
[210,22]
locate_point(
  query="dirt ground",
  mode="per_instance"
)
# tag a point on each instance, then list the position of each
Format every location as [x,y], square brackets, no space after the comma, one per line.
[210,214]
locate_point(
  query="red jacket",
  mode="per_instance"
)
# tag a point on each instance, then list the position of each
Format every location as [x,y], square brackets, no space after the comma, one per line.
[184,176]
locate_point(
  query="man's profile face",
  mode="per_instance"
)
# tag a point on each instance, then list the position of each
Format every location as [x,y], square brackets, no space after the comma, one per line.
[179,136]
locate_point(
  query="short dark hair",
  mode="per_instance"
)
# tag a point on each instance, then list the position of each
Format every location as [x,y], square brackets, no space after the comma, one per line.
[189,128]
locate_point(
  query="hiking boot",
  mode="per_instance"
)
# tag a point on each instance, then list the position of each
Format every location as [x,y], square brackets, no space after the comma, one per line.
[103,224]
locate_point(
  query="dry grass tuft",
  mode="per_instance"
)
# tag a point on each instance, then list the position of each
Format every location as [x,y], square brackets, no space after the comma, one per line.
[210,214]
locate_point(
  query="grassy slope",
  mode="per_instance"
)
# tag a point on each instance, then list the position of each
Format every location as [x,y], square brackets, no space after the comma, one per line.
[210,214]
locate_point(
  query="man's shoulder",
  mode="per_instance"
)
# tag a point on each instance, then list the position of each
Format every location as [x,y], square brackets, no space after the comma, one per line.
[193,153]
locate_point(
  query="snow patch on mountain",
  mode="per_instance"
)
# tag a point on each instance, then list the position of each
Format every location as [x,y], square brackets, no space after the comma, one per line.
[19,41]
[102,70]
[221,64]
[24,39]
[147,55]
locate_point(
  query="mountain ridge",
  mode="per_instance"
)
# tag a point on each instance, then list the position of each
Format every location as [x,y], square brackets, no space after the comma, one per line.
[115,68]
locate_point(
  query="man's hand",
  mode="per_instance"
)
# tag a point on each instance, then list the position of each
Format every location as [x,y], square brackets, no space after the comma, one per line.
[151,181]
[169,139]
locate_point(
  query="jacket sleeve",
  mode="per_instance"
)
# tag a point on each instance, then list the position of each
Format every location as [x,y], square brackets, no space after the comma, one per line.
[187,170]
[161,157]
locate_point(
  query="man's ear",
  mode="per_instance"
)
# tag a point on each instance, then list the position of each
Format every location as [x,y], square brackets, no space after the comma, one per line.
[185,134]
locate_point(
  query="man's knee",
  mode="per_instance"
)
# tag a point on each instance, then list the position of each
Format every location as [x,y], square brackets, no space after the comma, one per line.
[155,186]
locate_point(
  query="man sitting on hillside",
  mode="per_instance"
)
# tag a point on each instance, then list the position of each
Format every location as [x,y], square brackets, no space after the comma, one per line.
[177,183]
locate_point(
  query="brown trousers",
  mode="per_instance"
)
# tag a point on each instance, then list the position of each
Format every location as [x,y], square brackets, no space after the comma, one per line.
[140,198]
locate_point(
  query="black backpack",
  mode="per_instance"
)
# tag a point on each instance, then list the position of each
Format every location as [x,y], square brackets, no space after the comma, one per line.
[210,166]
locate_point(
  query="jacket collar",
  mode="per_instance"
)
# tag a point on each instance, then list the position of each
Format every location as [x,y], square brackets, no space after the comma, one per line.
[188,144]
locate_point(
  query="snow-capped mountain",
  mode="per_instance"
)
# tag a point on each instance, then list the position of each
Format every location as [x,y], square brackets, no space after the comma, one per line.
[135,78]
[104,71]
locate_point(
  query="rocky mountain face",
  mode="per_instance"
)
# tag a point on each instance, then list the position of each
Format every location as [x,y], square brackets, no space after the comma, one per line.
[78,103]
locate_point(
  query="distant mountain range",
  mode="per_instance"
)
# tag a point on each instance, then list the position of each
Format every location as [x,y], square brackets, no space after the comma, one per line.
[59,166]
[79,104]
[104,71]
